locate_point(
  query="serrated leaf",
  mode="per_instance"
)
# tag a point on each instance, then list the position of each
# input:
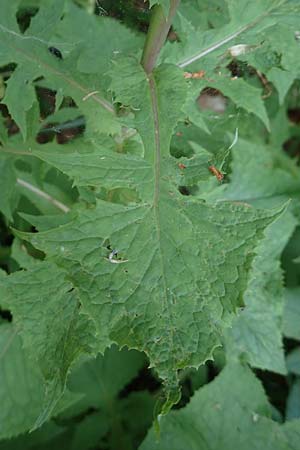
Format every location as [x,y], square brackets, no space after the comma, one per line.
[252,26]
[282,80]
[181,261]
[49,321]
[262,175]
[32,55]
[45,22]
[257,332]
[246,19]
[104,167]
[241,93]
[260,172]
[20,96]
[98,39]
[203,14]
[205,423]
[277,58]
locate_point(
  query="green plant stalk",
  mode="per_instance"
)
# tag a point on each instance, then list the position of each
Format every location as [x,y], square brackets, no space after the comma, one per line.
[157,34]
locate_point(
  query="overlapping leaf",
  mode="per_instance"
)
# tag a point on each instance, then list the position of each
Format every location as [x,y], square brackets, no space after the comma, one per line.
[181,265]
[22,388]
[225,415]
[246,19]
[48,318]
[251,35]
[31,54]
[262,175]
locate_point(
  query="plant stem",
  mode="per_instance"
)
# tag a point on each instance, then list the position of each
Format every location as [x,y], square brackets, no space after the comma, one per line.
[44,195]
[157,34]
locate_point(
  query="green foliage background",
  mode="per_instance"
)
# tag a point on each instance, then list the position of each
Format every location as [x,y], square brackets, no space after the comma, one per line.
[133,279]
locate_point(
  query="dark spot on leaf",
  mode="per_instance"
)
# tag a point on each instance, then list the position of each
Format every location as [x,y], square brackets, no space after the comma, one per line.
[240,68]
[294,115]
[55,52]
[184,190]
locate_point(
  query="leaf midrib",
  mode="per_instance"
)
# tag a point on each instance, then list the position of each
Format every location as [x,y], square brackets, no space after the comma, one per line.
[157,172]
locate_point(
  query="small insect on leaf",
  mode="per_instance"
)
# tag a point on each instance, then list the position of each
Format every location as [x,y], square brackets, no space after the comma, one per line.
[55,52]
[219,175]
[112,258]
[194,75]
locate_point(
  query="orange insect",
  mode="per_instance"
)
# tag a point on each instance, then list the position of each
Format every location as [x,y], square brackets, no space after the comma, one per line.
[219,175]
[199,74]
[181,166]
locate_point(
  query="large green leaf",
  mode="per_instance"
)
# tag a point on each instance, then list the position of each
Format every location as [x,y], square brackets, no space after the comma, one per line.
[97,41]
[48,318]
[241,93]
[231,412]
[257,333]
[264,176]
[183,264]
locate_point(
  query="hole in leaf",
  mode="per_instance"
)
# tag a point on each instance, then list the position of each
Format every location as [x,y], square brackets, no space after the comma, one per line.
[135,14]
[184,190]
[294,115]
[24,17]
[64,132]
[5,314]
[240,68]
[213,100]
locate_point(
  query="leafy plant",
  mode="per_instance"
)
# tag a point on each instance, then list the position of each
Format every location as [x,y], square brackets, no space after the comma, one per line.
[146,204]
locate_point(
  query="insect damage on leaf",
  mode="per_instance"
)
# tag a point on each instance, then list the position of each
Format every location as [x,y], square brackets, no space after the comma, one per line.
[55,52]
